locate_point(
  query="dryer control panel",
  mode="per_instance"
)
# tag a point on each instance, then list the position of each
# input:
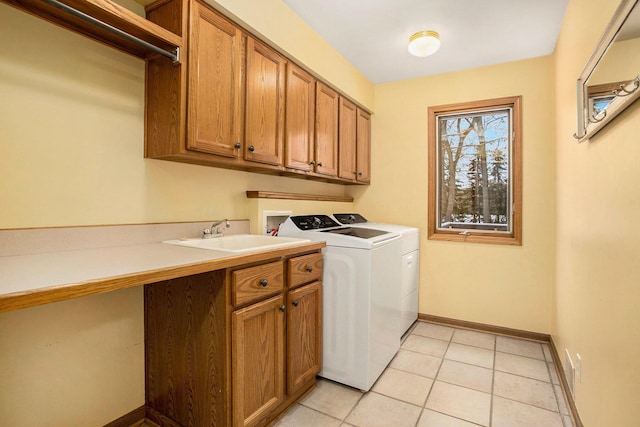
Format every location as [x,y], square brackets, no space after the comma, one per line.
[349,218]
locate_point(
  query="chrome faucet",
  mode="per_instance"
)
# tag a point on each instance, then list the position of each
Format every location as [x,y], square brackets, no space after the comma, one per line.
[215,230]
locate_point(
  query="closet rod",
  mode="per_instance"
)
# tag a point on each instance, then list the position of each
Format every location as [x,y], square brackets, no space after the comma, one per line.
[174,56]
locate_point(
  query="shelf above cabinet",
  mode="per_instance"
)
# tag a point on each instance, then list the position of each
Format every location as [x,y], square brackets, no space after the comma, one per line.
[106,22]
[296,196]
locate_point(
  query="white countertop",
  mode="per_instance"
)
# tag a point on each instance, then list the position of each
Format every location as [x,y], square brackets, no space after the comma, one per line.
[33,279]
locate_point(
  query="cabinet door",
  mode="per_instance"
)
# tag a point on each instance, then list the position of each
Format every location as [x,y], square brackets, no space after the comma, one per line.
[347,140]
[304,335]
[264,120]
[214,84]
[326,140]
[363,147]
[257,360]
[301,95]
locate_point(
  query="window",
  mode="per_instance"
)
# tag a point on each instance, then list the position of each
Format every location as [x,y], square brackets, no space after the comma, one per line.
[600,96]
[475,172]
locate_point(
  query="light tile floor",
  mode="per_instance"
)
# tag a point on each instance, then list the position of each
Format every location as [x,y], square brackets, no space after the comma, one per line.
[446,377]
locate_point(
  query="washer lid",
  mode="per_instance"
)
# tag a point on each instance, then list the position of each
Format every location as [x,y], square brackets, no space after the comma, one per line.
[361,233]
[323,228]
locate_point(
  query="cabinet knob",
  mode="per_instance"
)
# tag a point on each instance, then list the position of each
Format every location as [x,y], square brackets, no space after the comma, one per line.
[252,148]
[237,145]
[263,283]
[309,269]
[294,303]
[320,164]
[312,163]
[282,308]
[359,173]
[355,173]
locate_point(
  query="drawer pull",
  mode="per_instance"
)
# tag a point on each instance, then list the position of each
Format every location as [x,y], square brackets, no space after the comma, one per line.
[294,303]
[309,269]
[282,308]
[263,283]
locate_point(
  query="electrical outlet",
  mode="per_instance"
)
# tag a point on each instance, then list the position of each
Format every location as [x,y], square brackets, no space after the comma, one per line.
[569,370]
[578,367]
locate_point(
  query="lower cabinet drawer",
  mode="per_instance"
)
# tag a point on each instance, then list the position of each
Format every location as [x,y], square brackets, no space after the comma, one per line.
[255,283]
[304,269]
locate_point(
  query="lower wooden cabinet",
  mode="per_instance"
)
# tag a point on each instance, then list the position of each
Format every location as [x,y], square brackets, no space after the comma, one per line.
[304,339]
[233,347]
[257,360]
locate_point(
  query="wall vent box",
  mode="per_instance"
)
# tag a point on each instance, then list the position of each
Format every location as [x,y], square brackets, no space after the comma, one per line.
[271,220]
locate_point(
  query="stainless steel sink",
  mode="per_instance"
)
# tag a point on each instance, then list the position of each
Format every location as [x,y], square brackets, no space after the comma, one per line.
[238,243]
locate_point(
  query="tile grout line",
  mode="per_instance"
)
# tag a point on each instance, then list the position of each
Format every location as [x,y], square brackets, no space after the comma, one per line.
[493,379]
[449,342]
[433,383]
[362,395]
[442,359]
[530,404]
[321,413]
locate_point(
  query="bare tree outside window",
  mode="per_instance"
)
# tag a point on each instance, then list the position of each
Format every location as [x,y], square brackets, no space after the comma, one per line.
[474,171]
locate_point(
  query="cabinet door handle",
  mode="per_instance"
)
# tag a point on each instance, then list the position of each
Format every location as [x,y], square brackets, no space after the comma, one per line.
[252,148]
[237,145]
[294,303]
[282,308]
[309,269]
[320,164]
[263,283]
[312,163]
[360,173]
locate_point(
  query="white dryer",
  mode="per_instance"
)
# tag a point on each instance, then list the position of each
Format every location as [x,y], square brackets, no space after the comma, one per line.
[410,276]
[361,313]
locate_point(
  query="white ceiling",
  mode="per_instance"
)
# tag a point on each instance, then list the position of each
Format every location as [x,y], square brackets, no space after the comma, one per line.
[373,34]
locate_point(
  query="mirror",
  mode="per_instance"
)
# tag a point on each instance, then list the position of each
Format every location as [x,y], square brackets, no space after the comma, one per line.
[610,81]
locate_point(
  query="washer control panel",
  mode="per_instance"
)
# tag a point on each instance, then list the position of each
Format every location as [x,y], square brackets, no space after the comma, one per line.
[313,222]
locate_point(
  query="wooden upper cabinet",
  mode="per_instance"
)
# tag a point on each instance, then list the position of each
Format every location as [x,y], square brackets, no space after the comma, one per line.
[326,140]
[347,140]
[264,120]
[300,100]
[363,147]
[235,102]
[214,84]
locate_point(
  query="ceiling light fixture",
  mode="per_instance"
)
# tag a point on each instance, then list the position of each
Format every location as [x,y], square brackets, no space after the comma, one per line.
[424,43]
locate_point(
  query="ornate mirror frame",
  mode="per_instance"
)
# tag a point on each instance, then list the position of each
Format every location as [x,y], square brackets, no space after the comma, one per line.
[620,95]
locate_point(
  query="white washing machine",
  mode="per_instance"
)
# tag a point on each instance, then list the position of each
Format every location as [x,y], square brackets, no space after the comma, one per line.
[410,263]
[361,313]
